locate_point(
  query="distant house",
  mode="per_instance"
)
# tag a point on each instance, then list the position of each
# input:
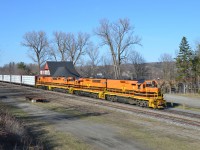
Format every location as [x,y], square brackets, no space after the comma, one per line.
[59,69]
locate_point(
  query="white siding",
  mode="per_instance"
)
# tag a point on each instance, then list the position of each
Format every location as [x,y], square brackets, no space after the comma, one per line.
[44,72]
[6,78]
[16,79]
[28,80]
[1,77]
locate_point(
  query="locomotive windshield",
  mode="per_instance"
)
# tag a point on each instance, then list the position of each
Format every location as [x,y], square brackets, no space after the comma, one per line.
[151,84]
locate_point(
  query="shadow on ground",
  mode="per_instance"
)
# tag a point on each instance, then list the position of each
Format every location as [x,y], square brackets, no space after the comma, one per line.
[172,105]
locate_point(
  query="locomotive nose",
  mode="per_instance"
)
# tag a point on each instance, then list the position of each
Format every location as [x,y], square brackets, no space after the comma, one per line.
[161,103]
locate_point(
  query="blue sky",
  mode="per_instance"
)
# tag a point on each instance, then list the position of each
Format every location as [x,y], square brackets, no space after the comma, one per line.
[160,23]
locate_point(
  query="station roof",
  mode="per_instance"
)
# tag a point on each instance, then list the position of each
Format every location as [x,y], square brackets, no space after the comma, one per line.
[61,69]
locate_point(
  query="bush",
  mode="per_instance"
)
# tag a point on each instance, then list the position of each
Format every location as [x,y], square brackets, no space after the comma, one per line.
[13,133]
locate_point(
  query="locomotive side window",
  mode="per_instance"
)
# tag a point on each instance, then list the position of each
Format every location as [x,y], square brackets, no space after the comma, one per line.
[154,84]
[148,84]
[151,84]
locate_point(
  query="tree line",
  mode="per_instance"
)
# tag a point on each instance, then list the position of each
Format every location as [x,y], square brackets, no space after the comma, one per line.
[119,61]
[188,66]
[182,73]
[118,37]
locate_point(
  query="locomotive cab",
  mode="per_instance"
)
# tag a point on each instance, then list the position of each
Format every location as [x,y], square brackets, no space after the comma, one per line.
[151,84]
[153,93]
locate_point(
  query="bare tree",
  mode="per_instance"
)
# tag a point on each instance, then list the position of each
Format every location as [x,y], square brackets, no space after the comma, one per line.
[94,59]
[168,66]
[138,63]
[167,72]
[77,46]
[38,43]
[60,39]
[52,53]
[72,47]
[106,69]
[11,68]
[119,37]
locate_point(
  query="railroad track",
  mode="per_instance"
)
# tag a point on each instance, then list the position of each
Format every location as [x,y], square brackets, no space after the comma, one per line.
[171,116]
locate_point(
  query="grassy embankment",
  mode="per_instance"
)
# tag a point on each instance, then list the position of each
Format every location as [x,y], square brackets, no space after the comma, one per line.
[20,131]
[13,133]
[147,133]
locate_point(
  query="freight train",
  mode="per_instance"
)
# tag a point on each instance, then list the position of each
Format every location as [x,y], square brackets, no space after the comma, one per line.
[144,93]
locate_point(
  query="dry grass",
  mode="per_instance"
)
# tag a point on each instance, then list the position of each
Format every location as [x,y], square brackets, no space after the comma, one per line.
[39,131]
[65,141]
[13,133]
[186,107]
[193,95]
[148,133]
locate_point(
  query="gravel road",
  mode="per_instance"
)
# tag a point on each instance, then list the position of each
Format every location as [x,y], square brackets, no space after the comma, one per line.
[189,101]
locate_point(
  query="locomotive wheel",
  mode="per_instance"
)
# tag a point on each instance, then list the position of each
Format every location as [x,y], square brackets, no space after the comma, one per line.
[142,104]
[113,98]
[146,104]
[76,92]
[94,95]
[108,97]
[138,102]
[132,101]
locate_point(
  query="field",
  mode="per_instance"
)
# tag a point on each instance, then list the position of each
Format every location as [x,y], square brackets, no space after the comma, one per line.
[80,125]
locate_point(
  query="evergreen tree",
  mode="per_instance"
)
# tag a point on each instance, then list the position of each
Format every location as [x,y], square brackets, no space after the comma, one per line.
[196,67]
[23,68]
[184,61]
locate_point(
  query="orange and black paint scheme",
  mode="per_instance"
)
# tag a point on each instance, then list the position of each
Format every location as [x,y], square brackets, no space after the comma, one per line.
[144,93]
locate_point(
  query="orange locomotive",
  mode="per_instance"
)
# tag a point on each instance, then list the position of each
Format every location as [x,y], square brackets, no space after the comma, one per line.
[143,93]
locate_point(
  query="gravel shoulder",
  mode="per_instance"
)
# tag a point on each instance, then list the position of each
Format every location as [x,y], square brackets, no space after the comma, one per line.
[183,100]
